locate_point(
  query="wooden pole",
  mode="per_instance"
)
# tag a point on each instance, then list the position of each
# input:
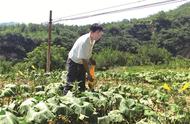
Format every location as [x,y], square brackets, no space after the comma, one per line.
[49,43]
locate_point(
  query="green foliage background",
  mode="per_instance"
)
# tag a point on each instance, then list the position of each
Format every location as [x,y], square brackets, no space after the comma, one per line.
[152,40]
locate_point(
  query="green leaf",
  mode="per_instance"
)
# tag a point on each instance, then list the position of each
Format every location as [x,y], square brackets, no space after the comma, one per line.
[53,89]
[115,116]
[148,112]
[26,105]
[13,87]
[7,118]
[61,109]
[175,108]
[104,120]
[24,88]
[87,109]
[39,88]
[54,100]
[76,108]
[40,93]
[40,117]
[7,92]
[2,112]
[41,106]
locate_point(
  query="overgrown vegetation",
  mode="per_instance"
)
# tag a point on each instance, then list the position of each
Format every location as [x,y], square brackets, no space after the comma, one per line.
[147,77]
[122,95]
[162,33]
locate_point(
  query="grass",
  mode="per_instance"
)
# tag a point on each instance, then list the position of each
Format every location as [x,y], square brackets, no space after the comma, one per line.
[145,68]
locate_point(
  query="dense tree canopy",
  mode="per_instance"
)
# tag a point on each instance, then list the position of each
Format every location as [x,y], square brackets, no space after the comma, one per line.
[169,30]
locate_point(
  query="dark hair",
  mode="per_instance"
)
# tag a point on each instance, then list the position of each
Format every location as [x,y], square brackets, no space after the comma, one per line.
[96,27]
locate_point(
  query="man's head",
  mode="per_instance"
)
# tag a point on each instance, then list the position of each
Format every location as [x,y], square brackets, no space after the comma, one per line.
[96,31]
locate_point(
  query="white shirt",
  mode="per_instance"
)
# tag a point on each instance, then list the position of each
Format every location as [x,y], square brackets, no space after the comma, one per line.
[82,49]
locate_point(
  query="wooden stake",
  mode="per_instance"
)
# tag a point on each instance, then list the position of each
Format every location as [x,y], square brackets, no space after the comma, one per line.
[49,43]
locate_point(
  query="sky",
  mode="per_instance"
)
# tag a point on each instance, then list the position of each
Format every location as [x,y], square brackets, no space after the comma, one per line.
[37,11]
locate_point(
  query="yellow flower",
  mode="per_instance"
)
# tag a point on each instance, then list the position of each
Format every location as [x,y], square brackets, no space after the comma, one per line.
[184,87]
[33,67]
[20,72]
[166,87]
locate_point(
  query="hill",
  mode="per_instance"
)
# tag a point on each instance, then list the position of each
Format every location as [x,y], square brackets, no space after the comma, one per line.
[167,30]
[8,23]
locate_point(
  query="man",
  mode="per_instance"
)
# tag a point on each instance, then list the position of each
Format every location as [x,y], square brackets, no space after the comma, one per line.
[78,58]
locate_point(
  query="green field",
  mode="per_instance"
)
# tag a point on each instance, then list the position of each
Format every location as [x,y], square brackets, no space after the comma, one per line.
[123,95]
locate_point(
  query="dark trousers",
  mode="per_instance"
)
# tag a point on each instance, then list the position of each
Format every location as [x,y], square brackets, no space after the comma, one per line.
[76,73]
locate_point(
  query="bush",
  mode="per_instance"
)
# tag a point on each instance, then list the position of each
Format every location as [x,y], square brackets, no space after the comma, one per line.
[151,54]
[22,66]
[38,57]
[5,66]
[147,55]
[179,62]
[109,58]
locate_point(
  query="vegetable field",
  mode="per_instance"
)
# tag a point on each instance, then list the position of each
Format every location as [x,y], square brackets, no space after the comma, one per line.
[121,96]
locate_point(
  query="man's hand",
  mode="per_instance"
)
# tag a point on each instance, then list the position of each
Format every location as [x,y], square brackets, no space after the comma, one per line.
[89,77]
[92,61]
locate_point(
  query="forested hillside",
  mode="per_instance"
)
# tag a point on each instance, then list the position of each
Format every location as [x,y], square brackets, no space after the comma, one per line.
[165,30]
